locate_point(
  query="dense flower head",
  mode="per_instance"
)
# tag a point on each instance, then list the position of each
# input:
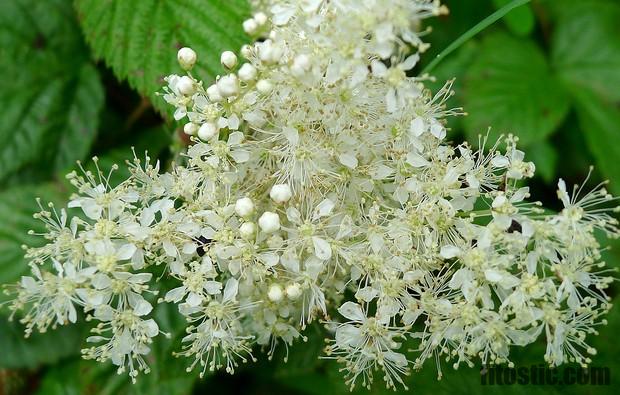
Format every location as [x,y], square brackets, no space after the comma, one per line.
[319,186]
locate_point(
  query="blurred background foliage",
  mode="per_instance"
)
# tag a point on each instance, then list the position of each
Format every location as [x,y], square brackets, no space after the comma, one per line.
[79,78]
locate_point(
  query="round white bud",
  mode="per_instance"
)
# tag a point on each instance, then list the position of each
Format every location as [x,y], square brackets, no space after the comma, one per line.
[187,58]
[247,229]
[228,59]
[269,222]
[186,86]
[293,291]
[247,72]
[246,51]
[208,130]
[244,207]
[275,293]
[260,18]
[190,128]
[214,94]
[264,86]
[228,85]
[280,193]
[250,26]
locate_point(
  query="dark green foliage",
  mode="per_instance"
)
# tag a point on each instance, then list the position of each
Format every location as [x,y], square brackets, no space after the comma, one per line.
[50,92]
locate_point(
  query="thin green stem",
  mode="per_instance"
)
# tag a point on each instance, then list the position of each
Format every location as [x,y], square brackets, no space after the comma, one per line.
[480,26]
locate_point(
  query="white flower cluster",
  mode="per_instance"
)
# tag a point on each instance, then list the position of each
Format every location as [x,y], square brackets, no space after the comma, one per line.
[319,181]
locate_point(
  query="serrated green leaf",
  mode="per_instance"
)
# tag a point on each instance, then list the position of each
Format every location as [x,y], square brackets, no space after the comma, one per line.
[139,39]
[586,46]
[511,89]
[600,122]
[49,92]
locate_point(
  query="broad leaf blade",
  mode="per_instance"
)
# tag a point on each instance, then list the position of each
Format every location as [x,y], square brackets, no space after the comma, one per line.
[511,89]
[139,39]
[600,122]
[50,95]
[586,46]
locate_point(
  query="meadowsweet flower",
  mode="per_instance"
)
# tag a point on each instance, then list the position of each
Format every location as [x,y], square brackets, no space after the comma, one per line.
[319,185]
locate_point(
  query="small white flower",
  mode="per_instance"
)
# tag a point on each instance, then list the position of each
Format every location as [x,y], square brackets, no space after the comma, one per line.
[208,130]
[280,193]
[247,72]
[250,26]
[244,207]
[186,86]
[187,58]
[228,59]
[228,85]
[264,86]
[247,229]
[269,222]
[190,129]
[275,293]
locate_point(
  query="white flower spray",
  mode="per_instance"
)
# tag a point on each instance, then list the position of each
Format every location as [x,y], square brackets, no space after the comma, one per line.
[319,182]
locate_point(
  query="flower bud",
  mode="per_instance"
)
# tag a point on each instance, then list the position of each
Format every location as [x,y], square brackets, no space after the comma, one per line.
[264,86]
[269,222]
[228,59]
[207,131]
[247,72]
[187,58]
[190,128]
[280,193]
[293,291]
[250,26]
[260,18]
[247,229]
[244,207]
[275,293]
[228,85]
[214,94]
[186,86]
[246,51]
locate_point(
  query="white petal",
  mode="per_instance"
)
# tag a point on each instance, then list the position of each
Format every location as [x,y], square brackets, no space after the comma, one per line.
[231,289]
[352,311]
[322,249]
[323,209]
[213,287]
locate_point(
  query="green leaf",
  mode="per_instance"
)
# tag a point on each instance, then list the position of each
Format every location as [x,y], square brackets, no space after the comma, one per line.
[511,89]
[49,92]
[519,21]
[39,348]
[586,46]
[139,39]
[545,157]
[600,122]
